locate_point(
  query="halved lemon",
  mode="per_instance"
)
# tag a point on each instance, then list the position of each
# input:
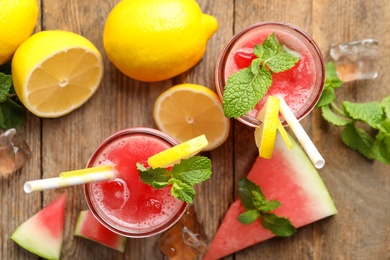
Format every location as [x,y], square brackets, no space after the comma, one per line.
[55,72]
[189,110]
[179,152]
[265,134]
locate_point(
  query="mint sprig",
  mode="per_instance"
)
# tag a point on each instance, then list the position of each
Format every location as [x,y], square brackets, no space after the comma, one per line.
[246,87]
[12,111]
[356,118]
[257,206]
[183,176]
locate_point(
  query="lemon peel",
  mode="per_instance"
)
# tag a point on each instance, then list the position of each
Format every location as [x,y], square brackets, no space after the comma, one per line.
[285,136]
[265,134]
[17,23]
[156,40]
[177,153]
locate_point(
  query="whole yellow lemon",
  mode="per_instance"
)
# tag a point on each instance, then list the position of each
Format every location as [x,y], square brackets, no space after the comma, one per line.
[154,40]
[17,22]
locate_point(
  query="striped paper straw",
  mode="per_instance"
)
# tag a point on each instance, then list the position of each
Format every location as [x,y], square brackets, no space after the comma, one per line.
[71,178]
[303,138]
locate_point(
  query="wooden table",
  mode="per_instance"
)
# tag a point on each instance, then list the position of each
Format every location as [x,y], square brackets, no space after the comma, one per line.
[360,188]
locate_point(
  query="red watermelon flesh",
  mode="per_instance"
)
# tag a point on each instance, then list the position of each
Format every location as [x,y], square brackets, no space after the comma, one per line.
[42,233]
[90,228]
[288,177]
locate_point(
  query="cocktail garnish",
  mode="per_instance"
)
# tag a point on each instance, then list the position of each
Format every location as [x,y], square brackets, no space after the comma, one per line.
[245,88]
[358,120]
[285,136]
[265,133]
[182,176]
[175,154]
[257,206]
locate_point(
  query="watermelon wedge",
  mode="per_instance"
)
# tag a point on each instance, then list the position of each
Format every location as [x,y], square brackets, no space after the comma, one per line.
[288,177]
[90,228]
[42,233]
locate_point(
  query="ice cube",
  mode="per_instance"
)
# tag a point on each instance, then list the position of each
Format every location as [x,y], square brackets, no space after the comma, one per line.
[14,151]
[186,239]
[355,60]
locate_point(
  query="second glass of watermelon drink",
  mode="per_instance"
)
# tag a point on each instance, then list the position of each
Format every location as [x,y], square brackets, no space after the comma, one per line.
[125,205]
[300,86]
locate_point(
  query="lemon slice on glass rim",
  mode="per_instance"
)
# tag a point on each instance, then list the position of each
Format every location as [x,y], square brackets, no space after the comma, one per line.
[265,133]
[177,153]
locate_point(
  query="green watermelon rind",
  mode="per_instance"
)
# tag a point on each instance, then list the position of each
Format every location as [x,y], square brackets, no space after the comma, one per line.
[33,236]
[121,245]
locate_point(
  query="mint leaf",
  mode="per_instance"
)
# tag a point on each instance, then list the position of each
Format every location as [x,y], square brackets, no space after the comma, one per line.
[386,106]
[258,50]
[182,191]
[370,113]
[280,226]
[333,118]
[193,170]
[246,189]
[282,61]
[384,148]
[327,97]
[383,140]
[248,217]
[150,175]
[182,176]
[359,140]
[5,86]
[269,205]
[271,47]
[12,111]
[331,79]
[245,88]
[11,114]
[376,115]
[331,82]
[257,206]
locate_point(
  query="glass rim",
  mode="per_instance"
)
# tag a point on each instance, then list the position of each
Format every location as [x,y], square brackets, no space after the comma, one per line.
[310,43]
[87,193]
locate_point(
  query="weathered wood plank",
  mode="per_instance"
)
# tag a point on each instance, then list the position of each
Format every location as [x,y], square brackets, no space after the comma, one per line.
[359,187]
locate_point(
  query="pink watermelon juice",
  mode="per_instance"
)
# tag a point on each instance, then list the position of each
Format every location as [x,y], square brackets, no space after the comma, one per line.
[301,86]
[126,205]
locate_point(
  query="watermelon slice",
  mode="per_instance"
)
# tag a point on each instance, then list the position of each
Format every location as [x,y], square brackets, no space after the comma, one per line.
[42,233]
[288,177]
[90,228]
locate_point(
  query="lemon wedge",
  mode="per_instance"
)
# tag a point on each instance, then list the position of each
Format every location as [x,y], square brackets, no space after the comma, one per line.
[265,134]
[179,152]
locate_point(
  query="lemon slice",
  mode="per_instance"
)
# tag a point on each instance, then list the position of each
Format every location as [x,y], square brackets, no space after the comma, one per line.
[55,72]
[189,110]
[265,134]
[179,152]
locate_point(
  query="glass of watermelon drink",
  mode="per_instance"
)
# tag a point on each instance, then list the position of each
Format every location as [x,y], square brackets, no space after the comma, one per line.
[125,205]
[300,86]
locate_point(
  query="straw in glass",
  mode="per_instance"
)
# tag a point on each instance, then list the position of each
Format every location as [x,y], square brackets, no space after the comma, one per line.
[307,144]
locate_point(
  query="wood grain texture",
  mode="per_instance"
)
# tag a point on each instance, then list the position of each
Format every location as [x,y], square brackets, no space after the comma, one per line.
[360,188]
